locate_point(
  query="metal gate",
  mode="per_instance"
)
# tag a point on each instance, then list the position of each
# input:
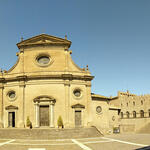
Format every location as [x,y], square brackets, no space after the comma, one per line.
[44,115]
[78,118]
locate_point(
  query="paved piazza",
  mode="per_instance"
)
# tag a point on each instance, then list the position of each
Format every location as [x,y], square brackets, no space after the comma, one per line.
[111,142]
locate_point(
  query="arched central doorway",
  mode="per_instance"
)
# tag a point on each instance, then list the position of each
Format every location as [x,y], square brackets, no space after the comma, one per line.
[44,111]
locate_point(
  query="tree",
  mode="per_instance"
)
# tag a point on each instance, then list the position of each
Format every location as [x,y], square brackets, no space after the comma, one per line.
[28,122]
[60,122]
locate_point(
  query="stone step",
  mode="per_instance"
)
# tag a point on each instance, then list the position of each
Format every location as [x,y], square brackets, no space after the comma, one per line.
[49,133]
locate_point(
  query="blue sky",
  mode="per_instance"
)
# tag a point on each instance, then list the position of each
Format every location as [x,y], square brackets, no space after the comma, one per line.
[111,36]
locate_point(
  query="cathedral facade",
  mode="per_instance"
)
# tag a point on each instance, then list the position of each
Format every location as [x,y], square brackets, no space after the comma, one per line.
[45,84]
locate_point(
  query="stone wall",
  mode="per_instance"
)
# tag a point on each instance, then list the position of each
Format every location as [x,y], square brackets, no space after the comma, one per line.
[135,111]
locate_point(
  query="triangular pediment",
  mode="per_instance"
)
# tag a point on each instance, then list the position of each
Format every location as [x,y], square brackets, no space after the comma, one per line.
[44,39]
[11,107]
[78,106]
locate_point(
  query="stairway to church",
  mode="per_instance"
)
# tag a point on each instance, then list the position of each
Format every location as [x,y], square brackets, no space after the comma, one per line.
[49,133]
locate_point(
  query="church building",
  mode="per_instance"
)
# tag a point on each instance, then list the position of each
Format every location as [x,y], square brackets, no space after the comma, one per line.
[45,84]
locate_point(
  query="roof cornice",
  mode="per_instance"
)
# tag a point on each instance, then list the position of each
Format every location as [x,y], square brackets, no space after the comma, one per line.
[36,77]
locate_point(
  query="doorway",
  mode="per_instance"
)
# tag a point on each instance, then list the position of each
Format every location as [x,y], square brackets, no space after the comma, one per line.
[11,119]
[78,118]
[44,115]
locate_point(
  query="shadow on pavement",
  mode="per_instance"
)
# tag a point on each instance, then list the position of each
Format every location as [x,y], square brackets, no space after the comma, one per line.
[144,148]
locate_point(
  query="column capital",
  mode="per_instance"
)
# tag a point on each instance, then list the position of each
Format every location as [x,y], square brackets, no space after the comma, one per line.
[88,84]
[1,86]
[67,83]
[36,103]
[52,102]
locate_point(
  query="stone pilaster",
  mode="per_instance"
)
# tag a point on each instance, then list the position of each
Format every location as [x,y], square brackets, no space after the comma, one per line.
[22,104]
[36,114]
[21,79]
[88,104]
[21,57]
[66,59]
[51,114]
[67,100]
[1,105]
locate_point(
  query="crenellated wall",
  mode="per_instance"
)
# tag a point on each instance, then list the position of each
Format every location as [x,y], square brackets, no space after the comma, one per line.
[132,117]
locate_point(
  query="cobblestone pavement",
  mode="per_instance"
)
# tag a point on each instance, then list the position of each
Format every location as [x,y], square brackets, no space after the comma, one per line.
[111,142]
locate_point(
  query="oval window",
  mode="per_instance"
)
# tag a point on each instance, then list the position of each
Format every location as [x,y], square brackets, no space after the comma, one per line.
[77,93]
[43,60]
[12,94]
[98,109]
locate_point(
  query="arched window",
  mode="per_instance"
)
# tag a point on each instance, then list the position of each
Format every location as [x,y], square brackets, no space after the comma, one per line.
[121,114]
[149,113]
[141,113]
[128,115]
[134,114]
[133,103]
[141,102]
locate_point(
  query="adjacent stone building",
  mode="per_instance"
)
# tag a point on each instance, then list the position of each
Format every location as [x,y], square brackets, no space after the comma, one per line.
[45,83]
[135,111]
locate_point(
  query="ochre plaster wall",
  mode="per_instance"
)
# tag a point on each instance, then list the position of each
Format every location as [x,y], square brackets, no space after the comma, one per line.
[100,120]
